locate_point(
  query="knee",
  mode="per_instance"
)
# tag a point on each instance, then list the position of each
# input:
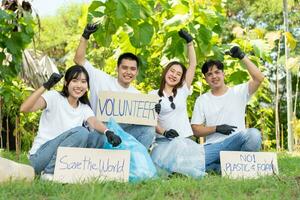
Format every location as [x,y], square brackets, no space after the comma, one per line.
[81,133]
[254,134]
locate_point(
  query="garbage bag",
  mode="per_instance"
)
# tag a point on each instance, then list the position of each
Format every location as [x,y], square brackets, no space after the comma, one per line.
[180,155]
[141,165]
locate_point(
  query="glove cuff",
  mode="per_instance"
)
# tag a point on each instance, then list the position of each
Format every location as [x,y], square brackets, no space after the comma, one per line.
[105,131]
[86,36]
[46,85]
[242,55]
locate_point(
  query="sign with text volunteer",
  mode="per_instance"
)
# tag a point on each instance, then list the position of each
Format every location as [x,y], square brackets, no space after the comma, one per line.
[75,165]
[242,164]
[129,108]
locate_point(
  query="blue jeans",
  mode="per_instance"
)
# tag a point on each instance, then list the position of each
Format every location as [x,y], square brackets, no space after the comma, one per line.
[250,140]
[144,134]
[45,157]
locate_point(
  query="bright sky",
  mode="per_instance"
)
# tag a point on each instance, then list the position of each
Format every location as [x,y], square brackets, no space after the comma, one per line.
[46,8]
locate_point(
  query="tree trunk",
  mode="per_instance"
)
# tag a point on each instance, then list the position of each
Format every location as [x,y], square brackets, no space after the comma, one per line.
[1,138]
[17,138]
[288,81]
[7,133]
[277,123]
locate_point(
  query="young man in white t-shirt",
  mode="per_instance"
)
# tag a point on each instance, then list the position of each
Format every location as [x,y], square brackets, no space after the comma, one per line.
[219,115]
[127,70]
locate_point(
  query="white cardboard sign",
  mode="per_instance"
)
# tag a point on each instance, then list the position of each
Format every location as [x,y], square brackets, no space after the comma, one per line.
[127,108]
[76,165]
[241,164]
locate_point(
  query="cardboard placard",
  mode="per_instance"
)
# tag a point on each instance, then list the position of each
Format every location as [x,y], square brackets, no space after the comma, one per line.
[76,165]
[129,108]
[242,164]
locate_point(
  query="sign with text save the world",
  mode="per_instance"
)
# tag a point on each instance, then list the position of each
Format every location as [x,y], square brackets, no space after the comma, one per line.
[242,164]
[129,108]
[79,165]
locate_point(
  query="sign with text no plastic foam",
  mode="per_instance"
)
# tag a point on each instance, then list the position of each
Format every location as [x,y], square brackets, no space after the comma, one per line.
[77,165]
[241,164]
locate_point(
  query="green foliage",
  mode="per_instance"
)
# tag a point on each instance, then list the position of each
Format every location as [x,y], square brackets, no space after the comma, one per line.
[15,34]
[149,29]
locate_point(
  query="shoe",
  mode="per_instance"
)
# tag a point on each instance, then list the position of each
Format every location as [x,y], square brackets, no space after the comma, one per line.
[47,177]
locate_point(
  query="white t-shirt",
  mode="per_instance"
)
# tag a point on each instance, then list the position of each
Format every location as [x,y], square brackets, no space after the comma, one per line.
[177,118]
[58,117]
[100,81]
[227,109]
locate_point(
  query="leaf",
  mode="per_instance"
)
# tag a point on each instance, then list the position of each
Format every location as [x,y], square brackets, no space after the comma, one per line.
[95,5]
[142,35]
[292,42]
[205,34]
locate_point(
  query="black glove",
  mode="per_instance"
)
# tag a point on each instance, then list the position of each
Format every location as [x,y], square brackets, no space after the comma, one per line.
[54,78]
[112,138]
[225,129]
[158,107]
[89,29]
[185,35]
[171,133]
[236,52]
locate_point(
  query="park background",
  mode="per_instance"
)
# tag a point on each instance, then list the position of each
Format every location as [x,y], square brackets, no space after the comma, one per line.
[268,31]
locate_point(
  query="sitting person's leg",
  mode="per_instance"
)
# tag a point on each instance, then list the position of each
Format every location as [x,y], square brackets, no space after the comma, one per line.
[144,134]
[95,140]
[45,157]
[252,138]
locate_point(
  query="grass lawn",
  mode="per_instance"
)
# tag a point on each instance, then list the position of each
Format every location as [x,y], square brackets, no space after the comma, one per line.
[284,186]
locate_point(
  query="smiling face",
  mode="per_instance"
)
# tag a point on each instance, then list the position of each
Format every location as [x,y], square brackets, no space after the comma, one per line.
[215,78]
[127,72]
[173,75]
[78,86]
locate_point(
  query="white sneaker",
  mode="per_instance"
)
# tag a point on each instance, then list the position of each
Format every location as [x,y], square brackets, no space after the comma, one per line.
[47,177]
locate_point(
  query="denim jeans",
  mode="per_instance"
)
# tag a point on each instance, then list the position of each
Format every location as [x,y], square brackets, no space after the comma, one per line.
[45,157]
[250,140]
[144,134]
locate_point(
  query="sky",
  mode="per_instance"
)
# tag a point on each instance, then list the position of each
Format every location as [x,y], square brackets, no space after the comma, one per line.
[49,8]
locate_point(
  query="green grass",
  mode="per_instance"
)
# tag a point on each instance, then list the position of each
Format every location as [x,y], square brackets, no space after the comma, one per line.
[284,186]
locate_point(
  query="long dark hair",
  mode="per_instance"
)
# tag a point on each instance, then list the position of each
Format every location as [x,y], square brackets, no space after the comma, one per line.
[73,73]
[163,78]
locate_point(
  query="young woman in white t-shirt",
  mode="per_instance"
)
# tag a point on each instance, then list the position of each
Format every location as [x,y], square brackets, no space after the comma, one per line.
[173,150]
[62,119]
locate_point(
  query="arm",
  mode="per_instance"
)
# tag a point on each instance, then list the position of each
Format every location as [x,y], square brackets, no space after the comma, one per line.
[79,58]
[201,130]
[171,133]
[34,102]
[190,73]
[257,76]
[112,138]
[191,55]
[96,124]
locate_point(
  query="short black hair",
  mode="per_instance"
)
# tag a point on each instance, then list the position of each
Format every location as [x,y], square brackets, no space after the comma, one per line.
[210,63]
[129,56]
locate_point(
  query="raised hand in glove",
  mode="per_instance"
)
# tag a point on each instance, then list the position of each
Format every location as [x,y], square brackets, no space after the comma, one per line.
[170,133]
[225,129]
[89,29]
[54,78]
[112,138]
[236,52]
[185,35]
